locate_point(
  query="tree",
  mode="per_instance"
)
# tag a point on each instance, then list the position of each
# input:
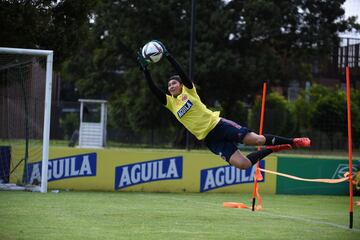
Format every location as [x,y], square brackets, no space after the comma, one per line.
[329,115]
[239,44]
[278,117]
[280,40]
[61,26]
[107,66]
[304,106]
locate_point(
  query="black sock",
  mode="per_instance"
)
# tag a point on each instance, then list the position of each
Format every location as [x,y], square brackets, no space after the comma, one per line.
[276,140]
[254,157]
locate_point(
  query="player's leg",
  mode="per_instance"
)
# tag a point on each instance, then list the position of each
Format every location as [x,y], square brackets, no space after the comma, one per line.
[267,139]
[237,133]
[226,150]
[233,132]
[252,138]
[272,140]
[218,142]
[230,153]
[238,160]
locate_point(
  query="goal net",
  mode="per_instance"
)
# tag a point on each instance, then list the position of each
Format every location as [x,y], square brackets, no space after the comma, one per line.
[25,102]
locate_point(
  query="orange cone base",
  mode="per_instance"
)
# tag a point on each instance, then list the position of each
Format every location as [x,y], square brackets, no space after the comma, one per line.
[240,205]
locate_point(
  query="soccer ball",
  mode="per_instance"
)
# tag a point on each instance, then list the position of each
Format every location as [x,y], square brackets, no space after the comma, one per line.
[152,52]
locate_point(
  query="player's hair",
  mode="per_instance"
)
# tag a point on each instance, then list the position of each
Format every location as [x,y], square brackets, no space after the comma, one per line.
[175,77]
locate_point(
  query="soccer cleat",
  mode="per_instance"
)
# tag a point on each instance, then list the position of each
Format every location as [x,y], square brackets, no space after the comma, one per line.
[301,142]
[278,148]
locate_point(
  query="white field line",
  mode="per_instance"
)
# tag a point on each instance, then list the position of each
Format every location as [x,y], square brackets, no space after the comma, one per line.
[309,220]
[298,218]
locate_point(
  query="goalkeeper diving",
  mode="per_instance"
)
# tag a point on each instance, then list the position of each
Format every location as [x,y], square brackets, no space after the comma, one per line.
[219,134]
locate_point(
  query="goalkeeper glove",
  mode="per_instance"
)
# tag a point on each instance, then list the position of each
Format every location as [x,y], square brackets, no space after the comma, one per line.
[165,51]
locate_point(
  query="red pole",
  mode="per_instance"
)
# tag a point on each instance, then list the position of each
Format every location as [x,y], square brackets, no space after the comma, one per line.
[260,132]
[349,145]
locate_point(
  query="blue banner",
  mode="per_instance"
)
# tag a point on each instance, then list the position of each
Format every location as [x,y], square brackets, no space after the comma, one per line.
[144,172]
[83,165]
[212,178]
[5,157]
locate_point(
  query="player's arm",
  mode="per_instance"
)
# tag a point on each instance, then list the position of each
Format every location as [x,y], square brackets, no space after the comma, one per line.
[184,77]
[160,95]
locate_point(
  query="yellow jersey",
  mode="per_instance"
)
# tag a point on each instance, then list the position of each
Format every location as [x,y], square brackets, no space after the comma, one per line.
[192,113]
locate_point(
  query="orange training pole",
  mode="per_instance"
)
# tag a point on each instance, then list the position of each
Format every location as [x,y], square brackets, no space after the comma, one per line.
[349,145]
[255,192]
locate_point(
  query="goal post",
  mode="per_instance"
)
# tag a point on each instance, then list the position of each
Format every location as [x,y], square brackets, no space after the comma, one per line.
[47,105]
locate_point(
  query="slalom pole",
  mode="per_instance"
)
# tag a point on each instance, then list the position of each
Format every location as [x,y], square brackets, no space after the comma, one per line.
[349,146]
[260,132]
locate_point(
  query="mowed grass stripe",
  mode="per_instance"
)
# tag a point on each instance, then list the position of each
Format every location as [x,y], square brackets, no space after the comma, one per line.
[273,214]
[121,215]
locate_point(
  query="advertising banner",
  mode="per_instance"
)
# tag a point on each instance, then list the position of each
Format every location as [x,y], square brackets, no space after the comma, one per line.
[82,165]
[147,170]
[5,156]
[312,168]
[152,170]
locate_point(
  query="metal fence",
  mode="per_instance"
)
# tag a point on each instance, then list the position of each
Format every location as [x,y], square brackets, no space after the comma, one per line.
[66,120]
[346,54]
[170,134]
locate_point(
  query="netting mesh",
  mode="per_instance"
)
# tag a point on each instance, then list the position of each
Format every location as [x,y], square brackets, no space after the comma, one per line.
[22,90]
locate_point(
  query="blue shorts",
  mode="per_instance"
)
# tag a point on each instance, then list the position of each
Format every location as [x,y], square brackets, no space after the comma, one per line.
[223,138]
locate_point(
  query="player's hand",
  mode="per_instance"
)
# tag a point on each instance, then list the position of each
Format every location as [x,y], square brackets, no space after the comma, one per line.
[142,61]
[165,51]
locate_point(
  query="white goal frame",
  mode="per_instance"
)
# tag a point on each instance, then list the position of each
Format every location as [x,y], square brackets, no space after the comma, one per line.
[48,89]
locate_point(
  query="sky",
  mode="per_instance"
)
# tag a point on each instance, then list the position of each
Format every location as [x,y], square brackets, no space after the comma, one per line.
[352,8]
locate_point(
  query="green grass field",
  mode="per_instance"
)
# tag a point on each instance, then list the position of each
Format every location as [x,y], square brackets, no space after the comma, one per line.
[119,215]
